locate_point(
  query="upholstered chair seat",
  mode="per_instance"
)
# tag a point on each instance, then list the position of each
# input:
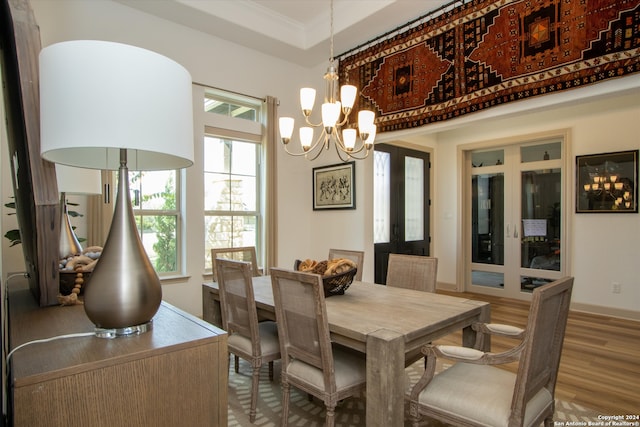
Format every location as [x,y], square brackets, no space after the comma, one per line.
[269,344]
[480,394]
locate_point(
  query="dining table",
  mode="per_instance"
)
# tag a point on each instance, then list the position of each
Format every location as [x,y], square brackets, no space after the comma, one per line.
[385,323]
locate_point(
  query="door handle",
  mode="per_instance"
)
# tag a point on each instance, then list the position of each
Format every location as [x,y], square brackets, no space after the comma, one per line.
[515,231]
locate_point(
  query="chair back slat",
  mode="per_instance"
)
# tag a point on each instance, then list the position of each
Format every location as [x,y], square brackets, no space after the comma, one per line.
[355,256]
[412,272]
[540,359]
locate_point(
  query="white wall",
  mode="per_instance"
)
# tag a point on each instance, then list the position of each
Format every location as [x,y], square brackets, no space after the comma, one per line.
[304,233]
[603,248]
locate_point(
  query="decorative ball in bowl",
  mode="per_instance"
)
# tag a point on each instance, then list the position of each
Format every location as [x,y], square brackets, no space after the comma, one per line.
[337,274]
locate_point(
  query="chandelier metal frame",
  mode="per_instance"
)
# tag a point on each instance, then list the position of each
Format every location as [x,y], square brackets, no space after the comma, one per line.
[340,131]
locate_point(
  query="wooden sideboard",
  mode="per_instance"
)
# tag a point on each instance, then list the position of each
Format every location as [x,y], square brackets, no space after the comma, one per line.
[176,374]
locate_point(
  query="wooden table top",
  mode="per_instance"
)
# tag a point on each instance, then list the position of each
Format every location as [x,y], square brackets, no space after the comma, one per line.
[366,307]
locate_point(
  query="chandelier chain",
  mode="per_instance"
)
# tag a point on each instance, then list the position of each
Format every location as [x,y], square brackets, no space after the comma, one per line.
[331,34]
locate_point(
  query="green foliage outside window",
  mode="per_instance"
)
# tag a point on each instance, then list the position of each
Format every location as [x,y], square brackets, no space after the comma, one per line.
[165,228]
[156,217]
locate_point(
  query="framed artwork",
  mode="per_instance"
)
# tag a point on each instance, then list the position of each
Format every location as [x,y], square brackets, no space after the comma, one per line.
[334,187]
[607,182]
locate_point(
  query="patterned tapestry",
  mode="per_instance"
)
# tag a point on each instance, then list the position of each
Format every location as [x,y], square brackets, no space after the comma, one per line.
[486,53]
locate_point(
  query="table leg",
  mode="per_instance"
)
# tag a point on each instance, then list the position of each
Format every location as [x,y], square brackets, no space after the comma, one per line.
[385,379]
[211,311]
[478,340]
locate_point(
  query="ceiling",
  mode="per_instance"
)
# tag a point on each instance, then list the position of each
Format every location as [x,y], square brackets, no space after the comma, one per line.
[294,30]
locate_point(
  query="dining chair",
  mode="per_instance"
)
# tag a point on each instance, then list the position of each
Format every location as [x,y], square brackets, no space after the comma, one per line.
[243,253]
[412,272]
[355,256]
[253,341]
[310,361]
[475,392]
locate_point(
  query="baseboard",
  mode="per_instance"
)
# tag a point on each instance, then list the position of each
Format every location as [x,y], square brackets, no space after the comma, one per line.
[447,287]
[606,311]
[575,306]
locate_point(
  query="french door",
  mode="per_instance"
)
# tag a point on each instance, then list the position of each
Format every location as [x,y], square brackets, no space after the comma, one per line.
[516,218]
[401,204]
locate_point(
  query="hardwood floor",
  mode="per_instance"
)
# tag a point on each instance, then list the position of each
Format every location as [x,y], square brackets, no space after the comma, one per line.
[600,364]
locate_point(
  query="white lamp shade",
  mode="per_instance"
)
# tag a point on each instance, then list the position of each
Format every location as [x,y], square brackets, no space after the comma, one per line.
[286,127]
[307,98]
[97,97]
[349,138]
[78,180]
[348,95]
[330,114]
[365,120]
[306,136]
[371,136]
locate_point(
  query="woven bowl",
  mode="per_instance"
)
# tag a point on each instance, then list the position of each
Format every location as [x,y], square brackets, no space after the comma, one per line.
[335,284]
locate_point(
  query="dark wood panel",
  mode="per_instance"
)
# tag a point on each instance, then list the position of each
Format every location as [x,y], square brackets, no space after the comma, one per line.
[34,180]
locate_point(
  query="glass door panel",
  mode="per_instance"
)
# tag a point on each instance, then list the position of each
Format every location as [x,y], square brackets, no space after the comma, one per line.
[541,214]
[414,199]
[487,219]
[487,278]
[516,217]
[381,197]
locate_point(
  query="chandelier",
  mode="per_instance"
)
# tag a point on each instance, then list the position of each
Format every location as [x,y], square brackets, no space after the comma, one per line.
[335,125]
[607,189]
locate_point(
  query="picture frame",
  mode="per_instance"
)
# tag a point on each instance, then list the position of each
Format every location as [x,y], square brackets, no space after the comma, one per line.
[607,182]
[334,187]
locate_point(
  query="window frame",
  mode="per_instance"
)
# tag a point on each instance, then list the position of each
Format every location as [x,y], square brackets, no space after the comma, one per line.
[227,127]
[178,213]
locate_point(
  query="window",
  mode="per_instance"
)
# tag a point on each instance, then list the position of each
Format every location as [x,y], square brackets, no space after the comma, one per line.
[156,205]
[216,104]
[231,193]
[233,203]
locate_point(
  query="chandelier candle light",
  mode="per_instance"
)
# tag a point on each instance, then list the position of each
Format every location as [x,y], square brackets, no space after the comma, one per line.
[105,106]
[340,131]
[606,187]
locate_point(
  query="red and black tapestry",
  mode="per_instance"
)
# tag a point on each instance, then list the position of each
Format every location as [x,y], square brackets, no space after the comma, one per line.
[487,53]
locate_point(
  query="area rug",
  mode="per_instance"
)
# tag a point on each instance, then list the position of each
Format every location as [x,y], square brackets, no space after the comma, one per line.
[478,54]
[350,412]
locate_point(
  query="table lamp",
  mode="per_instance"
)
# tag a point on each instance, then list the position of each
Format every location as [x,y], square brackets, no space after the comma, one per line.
[111,106]
[73,181]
